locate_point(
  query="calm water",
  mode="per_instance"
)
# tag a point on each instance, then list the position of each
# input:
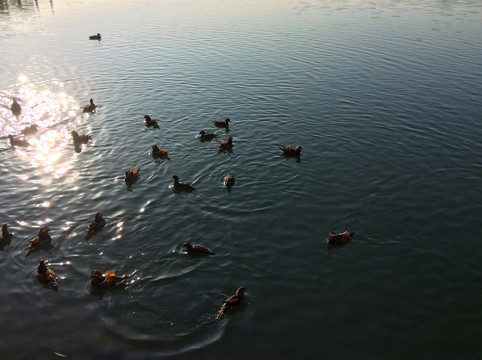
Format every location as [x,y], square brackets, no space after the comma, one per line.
[384,98]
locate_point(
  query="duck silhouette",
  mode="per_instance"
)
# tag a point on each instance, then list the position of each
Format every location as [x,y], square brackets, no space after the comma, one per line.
[97,224]
[90,108]
[150,122]
[196,249]
[339,239]
[229,179]
[95,37]
[289,151]
[226,145]
[18,142]
[16,108]
[132,175]
[106,280]
[181,186]
[46,275]
[30,130]
[5,237]
[204,136]
[222,124]
[159,153]
[42,240]
[233,302]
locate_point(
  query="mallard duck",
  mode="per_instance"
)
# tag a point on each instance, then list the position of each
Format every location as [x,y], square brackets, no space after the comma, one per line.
[80,139]
[196,249]
[229,179]
[223,124]
[90,108]
[161,153]
[95,37]
[16,108]
[132,175]
[46,275]
[288,151]
[6,235]
[204,136]
[226,145]
[233,302]
[18,142]
[339,239]
[43,239]
[97,224]
[107,280]
[30,130]
[150,122]
[180,186]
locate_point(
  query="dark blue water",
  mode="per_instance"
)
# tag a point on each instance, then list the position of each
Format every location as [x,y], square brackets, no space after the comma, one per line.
[384,99]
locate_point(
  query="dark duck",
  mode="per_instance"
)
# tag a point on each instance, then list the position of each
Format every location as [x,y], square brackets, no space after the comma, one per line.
[30,130]
[97,224]
[95,37]
[233,302]
[43,239]
[150,122]
[80,139]
[46,275]
[16,108]
[223,124]
[204,136]
[90,108]
[226,145]
[181,186]
[196,250]
[339,239]
[18,142]
[5,236]
[229,179]
[106,280]
[289,151]
[159,153]
[132,175]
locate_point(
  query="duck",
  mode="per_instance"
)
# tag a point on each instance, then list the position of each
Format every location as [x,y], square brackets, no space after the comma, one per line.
[46,275]
[204,136]
[90,108]
[288,151]
[97,224]
[223,124]
[156,152]
[43,239]
[95,37]
[339,239]
[196,249]
[233,302]
[180,186]
[80,139]
[30,130]
[6,235]
[106,280]
[150,122]
[18,142]
[226,145]
[229,179]
[132,175]
[16,108]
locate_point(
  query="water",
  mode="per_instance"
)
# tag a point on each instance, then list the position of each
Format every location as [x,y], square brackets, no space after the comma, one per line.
[384,98]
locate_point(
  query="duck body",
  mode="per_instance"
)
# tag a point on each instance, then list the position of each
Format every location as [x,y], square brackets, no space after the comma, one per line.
[46,275]
[339,239]
[80,139]
[195,250]
[90,108]
[97,224]
[106,280]
[16,108]
[30,130]
[226,145]
[95,37]
[150,122]
[181,186]
[229,179]
[233,302]
[132,175]
[160,153]
[18,142]
[43,239]
[204,136]
[289,151]
[222,124]
[6,235]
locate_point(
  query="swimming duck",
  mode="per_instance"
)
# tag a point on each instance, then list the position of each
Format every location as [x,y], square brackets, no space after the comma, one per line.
[288,151]
[150,122]
[196,249]
[90,108]
[43,239]
[6,235]
[156,152]
[107,280]
[46,274]
[132,175]
[95,37]
[229,179]
[80,139]
[18,142]
[223,124]
[339,239]
[180,186]
[97,224]
[207,136]
[233,302]
[16,108]
[30,130]
[226,145]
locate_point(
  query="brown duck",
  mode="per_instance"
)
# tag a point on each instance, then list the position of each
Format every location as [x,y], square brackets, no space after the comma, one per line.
[196,249]
[233,302]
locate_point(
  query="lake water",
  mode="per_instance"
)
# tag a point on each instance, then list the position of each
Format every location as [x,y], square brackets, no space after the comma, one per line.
[383,96]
